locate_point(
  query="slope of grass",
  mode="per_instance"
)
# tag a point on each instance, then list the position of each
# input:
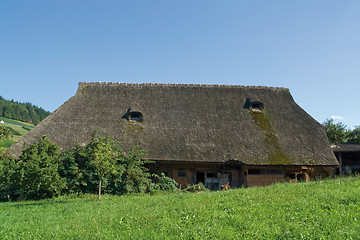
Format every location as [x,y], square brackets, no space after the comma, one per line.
[328,209]
[17,122]
[18,130]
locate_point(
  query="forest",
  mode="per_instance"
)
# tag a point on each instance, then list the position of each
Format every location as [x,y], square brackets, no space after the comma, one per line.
[25,112]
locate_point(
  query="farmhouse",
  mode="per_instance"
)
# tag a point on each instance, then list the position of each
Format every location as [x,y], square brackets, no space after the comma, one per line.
[212,134]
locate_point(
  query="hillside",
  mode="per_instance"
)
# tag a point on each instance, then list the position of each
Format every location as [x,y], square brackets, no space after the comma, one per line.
[25,112]
[17,128]
[327,209]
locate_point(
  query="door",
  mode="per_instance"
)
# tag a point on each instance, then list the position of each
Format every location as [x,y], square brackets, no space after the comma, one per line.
[200,177]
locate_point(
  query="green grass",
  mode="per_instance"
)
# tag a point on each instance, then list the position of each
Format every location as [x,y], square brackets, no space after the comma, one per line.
[18,130]
[17,122]
[328,209]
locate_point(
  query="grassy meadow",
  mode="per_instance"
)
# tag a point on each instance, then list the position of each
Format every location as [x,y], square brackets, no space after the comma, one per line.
[19,129]
[324,209]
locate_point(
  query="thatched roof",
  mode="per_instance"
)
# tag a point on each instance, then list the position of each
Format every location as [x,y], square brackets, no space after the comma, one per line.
[345,147]
[201,123]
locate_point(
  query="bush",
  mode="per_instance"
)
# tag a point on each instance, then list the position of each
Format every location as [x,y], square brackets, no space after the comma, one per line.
[99,166]
[83,168]
[69,170]
[136,177]
[34,176]
[164,183]
[9,189]
[37,171]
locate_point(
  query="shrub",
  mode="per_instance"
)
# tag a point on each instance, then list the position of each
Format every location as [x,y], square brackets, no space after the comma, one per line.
[101,165]
[38,175]
[164,183]
[136,177]
[9,189]
[102,159]
[70,171]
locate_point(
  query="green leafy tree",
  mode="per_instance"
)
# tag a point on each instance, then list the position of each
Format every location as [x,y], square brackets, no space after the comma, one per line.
[103,166]
[104,154]
[38,171]
[136,178]
[78,171]
[354,136]
[9,188]
[69,170]
[336,132]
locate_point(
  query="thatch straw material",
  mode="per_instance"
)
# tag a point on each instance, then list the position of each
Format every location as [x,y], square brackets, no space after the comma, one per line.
[199,123]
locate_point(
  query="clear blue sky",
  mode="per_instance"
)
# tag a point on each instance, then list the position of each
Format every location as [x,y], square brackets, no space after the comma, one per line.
[310,47]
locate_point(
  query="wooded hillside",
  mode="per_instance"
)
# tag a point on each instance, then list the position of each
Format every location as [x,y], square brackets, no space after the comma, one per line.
[25,112]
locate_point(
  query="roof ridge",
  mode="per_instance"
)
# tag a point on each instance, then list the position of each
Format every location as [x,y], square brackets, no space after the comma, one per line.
[184,85]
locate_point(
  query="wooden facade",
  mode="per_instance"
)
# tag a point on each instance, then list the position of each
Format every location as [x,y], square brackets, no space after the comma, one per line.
[214,175]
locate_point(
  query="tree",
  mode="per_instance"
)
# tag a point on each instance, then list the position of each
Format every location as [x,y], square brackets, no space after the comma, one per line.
[102,165]
[104,155]
[336,132]
[38,175]
[354,136]
[69,170]
[136,178]
[9,188]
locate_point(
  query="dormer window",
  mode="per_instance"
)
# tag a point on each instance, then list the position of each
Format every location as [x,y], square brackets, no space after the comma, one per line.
[135,116]
[257,106]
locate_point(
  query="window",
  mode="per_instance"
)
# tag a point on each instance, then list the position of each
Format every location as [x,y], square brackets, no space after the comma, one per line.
[211,175]
[274,172]
[253,105]
[257,106]
[256,171]
[181,174]
[265,171]
[135,116]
